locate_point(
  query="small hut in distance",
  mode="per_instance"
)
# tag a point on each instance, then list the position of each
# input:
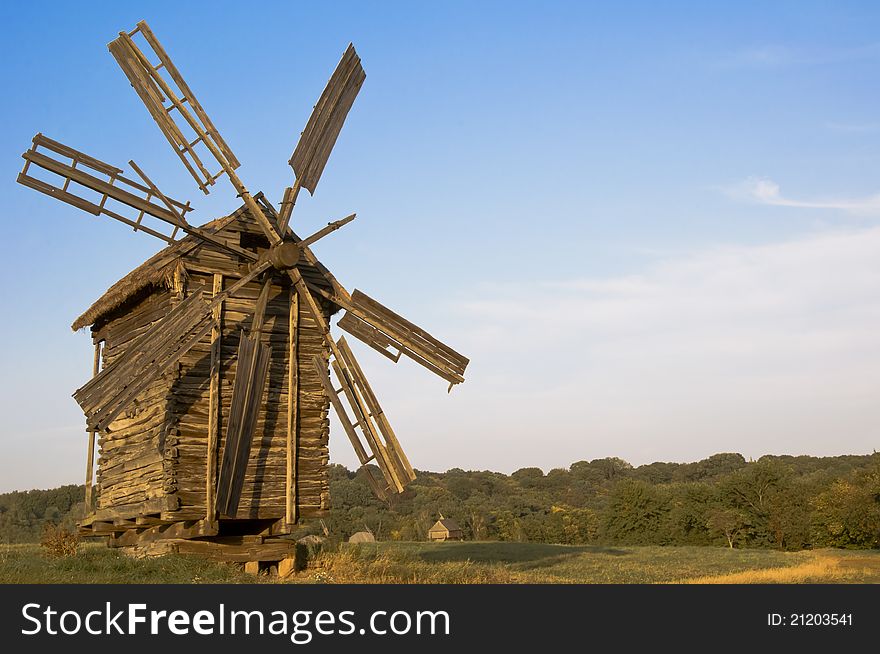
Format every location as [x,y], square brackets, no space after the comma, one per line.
[445,529]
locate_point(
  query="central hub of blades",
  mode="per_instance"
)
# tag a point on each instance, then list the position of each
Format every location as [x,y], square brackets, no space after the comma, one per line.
[285,255]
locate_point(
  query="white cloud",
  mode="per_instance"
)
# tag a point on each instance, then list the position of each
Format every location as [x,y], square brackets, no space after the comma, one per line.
[766,191]
[771,349]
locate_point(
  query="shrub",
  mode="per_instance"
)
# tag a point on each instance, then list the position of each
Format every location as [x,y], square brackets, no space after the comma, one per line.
[58,541]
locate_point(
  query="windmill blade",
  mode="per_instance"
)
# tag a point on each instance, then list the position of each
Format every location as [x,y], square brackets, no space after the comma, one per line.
[51,157]
[103,178]
[393,449]
[247,392]
[384,330]
[107,394]
[154,90]
[390,466]
[321,131]
[369,420]
[320,134]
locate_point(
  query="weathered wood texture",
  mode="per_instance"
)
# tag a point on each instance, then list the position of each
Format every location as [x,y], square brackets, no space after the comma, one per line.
[105,396]
[381,328]
[325,123]
[132,466]
[158,446]
[247,393]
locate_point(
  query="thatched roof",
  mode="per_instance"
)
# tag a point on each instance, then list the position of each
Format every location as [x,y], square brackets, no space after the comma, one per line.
[162,270]
[158,271]
[445,524]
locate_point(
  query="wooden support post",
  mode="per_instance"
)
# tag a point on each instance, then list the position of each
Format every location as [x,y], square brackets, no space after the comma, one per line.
[252,567]
[213,406]
[292,407]
[90,465]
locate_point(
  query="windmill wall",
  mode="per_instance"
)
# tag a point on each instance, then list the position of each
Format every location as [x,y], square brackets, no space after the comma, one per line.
[153,459]
[264,494]
[132,468]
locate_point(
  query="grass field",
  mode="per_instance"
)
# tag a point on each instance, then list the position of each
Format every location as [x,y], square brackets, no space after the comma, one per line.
[462,563]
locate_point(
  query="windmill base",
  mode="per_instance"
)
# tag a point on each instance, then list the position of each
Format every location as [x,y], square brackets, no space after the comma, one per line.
[257,543]
[272,555]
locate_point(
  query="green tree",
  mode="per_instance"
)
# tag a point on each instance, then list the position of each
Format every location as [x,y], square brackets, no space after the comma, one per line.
[729,523]
[847,513]
[634,513]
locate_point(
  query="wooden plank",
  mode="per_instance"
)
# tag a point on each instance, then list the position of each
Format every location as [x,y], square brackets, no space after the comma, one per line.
[329,229]
[324,124]
[143,361]
[247,391]
[292,408]
[99,185]
[127,62]
[213,406]
[411,340]
[183,529]
[368,334]
[241,551]
[403,327]
[105,396]
[377,488]
[82,159]
[76,155]
[211,141]
[148,507]
[155,343]
[287,203]
[260,306]
[152,89]
[170,214]
[58,194]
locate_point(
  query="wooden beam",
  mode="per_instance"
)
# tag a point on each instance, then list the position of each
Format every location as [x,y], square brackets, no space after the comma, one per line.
[90,465]
[376,413]
[187,91]
[260,307]
[292,407]
[251,375]
[364,420]
[341,413]
[205,130]
[286,208]
[213,406]
[329,229]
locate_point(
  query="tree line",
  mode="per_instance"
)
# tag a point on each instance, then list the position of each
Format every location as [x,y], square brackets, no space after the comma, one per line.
[783,502]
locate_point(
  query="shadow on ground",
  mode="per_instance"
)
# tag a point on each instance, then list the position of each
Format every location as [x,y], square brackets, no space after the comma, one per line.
[536,554]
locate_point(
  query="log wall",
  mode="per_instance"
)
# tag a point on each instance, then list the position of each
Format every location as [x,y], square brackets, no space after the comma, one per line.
[159,446]
[132,467]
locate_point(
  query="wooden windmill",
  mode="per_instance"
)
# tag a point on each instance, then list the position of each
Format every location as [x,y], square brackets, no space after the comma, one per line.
[211,387]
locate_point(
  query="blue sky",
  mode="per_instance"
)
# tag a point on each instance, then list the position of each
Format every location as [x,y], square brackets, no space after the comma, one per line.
[654,229]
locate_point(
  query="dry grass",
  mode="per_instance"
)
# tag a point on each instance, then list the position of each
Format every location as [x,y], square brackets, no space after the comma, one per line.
[823,567]
[352,565]
[460,563]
